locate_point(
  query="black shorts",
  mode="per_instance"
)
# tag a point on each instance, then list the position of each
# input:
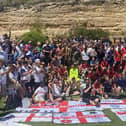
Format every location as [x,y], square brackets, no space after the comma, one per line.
[86,100]
[55,97]
[86,97]
[95,97]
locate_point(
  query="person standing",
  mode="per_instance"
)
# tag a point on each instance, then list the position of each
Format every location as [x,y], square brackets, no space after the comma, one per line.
[38,73]
[13,86]
[3,77]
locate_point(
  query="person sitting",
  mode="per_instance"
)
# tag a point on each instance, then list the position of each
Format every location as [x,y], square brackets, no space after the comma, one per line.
[40,94]
[55,91]
[73,88]
[87,97]
[107,87]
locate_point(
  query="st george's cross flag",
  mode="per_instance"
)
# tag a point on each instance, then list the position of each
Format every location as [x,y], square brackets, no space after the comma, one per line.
[74,106]
[64,106]
[113,106]
[113,103]
[28,117]
[11,123]
[80,117]
[121,113]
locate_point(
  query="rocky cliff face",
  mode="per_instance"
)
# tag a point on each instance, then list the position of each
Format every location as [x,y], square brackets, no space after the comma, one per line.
[59,17]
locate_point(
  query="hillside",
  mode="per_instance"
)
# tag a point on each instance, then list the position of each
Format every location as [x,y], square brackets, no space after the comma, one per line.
[58,16]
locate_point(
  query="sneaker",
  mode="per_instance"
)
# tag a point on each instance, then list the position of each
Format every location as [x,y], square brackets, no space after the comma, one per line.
[63,94]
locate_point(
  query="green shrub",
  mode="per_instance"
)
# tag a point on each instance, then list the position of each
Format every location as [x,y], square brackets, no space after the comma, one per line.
[33,36]
[91,33]
[97,34]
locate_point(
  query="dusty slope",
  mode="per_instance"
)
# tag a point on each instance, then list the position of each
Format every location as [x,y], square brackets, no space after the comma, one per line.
[61,16]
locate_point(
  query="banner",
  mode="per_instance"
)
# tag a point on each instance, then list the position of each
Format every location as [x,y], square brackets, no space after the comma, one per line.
[113,106]
[74,106]
[47,109]
[84,108]
[28,117]
[64,107]
[80,117]
[121,113]
[112,101]
[10,123]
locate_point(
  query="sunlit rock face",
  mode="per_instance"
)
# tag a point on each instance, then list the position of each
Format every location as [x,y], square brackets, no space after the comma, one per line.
[59,17]
[110,1]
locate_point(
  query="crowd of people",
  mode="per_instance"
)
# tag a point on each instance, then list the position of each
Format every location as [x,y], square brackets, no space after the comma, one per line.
[60,69]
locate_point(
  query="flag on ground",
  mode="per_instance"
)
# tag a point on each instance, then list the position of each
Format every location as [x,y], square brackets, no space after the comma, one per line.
[80,117]
[121,113]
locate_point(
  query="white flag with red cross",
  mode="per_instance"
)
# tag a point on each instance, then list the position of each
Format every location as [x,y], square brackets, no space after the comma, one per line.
[74,106]
[80,117]
[28,117]
[121,113]
[113,103]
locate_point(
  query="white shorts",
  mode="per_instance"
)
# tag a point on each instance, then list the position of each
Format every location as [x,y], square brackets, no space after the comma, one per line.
[39,98]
